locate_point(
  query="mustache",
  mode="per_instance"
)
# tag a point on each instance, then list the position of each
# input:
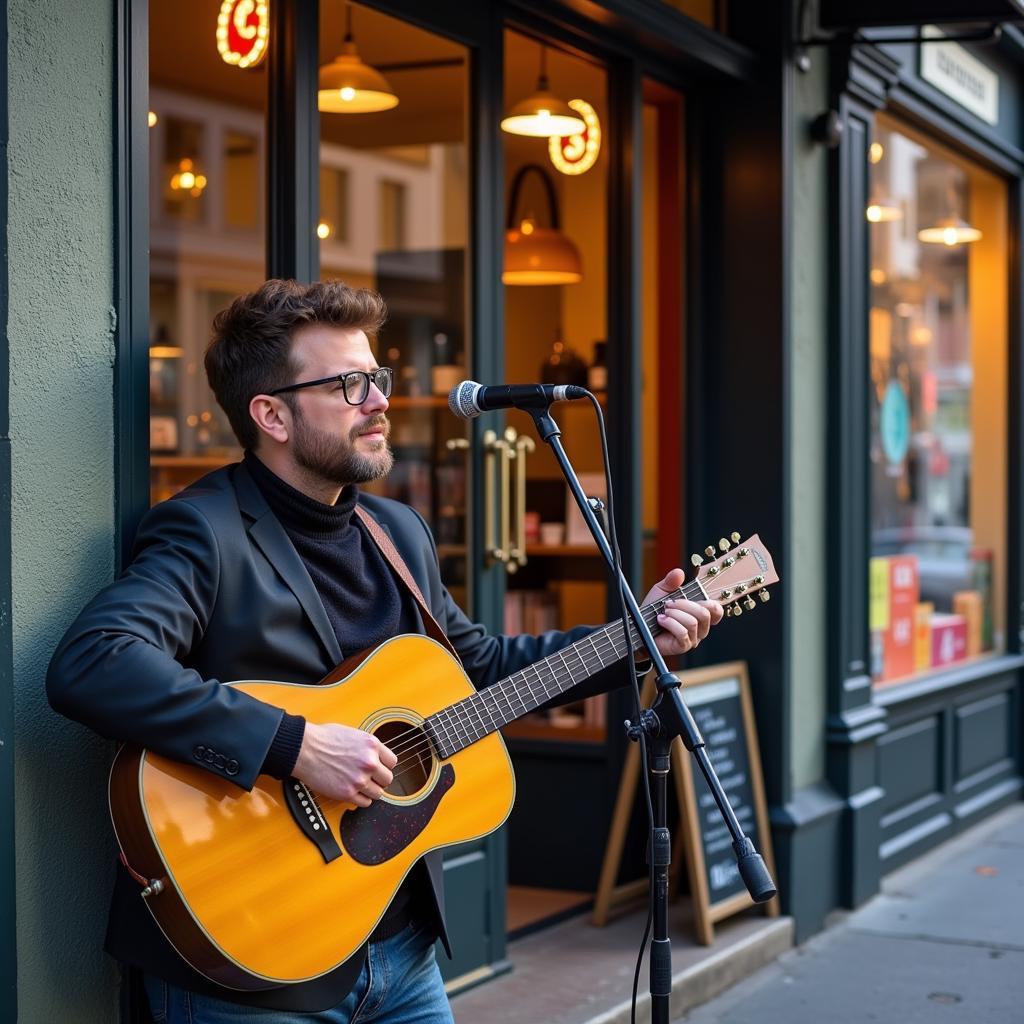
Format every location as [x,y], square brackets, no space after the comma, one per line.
[378,422]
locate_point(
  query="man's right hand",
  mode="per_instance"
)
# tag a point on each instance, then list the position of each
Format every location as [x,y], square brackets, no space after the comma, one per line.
[342,763]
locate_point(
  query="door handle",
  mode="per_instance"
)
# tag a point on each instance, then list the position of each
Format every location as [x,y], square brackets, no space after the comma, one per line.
[521,446]
[497,455]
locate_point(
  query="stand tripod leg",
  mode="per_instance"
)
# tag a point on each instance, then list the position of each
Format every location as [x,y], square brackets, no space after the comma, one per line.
[608,894]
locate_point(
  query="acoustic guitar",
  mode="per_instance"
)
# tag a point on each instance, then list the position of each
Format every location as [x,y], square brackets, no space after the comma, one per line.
[235,877]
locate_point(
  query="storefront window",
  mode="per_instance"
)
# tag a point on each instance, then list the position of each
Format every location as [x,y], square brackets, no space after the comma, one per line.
[206,138]
[938,336]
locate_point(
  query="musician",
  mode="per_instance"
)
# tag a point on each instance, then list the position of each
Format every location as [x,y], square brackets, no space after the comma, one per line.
[260,570]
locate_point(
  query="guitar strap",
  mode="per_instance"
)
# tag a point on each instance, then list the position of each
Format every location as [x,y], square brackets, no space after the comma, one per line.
[395,560]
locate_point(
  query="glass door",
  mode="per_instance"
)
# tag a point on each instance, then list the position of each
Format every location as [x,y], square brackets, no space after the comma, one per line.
[394,217]
[556,290]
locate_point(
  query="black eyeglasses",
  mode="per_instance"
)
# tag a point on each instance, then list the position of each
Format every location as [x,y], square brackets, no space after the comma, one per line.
[355,384]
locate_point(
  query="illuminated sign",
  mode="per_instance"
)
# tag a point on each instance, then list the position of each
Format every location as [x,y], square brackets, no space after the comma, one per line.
[574,154]
[242,30]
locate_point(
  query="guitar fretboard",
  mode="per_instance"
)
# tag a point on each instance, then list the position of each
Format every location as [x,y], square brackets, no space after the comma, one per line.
[457,726]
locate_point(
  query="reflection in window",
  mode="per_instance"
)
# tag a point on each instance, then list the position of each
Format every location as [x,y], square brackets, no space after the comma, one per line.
[938,365]
[184,179]
[241,180]
[333,204]
[206,233]
[392,215]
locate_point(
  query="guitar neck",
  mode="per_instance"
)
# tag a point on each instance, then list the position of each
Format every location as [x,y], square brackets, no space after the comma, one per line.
[457,726]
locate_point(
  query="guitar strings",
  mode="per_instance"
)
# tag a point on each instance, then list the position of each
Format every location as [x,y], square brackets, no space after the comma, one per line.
[410,745]
[416,743]
[607,644]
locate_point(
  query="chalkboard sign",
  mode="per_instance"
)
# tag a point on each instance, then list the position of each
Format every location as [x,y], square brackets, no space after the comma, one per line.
[719,699]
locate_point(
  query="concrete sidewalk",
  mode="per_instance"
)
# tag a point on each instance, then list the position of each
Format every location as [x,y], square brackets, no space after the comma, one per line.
[944,941]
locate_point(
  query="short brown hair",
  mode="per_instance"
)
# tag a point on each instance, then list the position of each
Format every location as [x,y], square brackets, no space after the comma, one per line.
[250,353]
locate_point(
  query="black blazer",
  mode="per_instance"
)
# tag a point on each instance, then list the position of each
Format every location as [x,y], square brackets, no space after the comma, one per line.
[216,592]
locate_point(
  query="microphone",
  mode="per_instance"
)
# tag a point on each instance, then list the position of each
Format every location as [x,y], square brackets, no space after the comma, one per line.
[469,399]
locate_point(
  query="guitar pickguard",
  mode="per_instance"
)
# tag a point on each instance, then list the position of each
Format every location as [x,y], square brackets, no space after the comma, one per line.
[372,835]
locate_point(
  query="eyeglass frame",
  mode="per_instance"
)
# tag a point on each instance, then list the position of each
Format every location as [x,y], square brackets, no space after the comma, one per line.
[369,377]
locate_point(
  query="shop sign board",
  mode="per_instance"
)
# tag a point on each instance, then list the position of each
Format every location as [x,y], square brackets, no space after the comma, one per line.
[960,75]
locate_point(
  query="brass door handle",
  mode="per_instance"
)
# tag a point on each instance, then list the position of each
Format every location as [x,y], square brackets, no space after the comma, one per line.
[521,447]
[495,504]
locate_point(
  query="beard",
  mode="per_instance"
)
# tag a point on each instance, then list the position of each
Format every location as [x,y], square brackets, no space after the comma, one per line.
[337,461]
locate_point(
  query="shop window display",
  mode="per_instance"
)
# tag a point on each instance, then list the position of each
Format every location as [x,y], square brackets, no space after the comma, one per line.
[938,360]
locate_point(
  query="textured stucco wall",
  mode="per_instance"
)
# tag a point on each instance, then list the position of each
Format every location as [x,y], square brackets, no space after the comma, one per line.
[808,354]
[60,236]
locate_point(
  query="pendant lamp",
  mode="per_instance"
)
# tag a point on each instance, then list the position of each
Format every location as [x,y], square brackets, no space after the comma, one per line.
[949,231]
[348,86]
[881,210]
[542,114]
[536,255]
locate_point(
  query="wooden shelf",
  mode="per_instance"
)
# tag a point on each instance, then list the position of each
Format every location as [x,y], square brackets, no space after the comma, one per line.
[191,461]
[562,550]
[523,730]
[418,402]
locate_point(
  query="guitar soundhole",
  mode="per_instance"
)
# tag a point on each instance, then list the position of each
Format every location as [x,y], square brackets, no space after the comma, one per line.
[415,758]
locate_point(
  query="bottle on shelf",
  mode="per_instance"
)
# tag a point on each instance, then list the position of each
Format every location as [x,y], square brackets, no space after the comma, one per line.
[597,374]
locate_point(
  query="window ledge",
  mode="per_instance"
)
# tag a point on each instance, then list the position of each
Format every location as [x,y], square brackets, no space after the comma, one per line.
[959,675]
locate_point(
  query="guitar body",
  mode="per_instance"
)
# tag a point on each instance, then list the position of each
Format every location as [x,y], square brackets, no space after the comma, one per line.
[275,887]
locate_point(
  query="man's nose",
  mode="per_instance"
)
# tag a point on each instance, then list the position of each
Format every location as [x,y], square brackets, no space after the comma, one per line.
[375,400]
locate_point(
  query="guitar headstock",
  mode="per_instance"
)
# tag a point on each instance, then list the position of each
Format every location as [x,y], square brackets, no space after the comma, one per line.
[738,570]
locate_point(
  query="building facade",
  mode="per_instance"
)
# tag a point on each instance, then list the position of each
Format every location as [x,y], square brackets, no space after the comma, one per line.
[786,255]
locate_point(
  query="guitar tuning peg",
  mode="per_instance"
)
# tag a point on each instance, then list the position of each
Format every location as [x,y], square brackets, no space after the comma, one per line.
[734,537]
[764,595]
[736,610]
[749,604]
[724,545]
[728,611]
[710,551]
[696,560]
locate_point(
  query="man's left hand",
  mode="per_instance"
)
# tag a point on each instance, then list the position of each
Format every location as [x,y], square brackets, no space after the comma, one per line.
[684,623]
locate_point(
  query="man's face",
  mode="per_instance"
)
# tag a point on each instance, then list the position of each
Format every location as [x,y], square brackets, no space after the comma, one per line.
[338,442]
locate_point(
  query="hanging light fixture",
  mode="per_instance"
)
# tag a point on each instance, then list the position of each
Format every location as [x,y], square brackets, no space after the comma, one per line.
[186,179]
[542,114]
[536,255]
[348,86]
[952,230]
[882,209]
[949,231]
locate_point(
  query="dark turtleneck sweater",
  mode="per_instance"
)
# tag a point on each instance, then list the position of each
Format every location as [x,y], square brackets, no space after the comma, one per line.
[359,591]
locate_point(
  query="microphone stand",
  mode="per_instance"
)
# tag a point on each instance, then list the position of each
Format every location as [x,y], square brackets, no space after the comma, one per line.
[667,718]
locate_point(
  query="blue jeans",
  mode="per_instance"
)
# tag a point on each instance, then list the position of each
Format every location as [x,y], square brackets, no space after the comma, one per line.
[399,984]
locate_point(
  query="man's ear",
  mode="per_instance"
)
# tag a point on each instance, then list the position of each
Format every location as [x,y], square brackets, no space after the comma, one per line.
[272,416]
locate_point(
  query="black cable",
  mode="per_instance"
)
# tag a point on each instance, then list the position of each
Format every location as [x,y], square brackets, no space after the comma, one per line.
[631,666]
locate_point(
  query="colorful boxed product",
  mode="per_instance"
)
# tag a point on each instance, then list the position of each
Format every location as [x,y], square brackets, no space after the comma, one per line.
[949,639]
[904,590]
[981,570]
[923,612]
[968,604]
[878,613]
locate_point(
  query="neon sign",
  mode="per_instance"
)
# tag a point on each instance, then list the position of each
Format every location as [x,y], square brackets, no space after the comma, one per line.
[574,154]
[242,30]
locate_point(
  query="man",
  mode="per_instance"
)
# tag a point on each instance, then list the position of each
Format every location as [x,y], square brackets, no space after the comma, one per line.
[262,570]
